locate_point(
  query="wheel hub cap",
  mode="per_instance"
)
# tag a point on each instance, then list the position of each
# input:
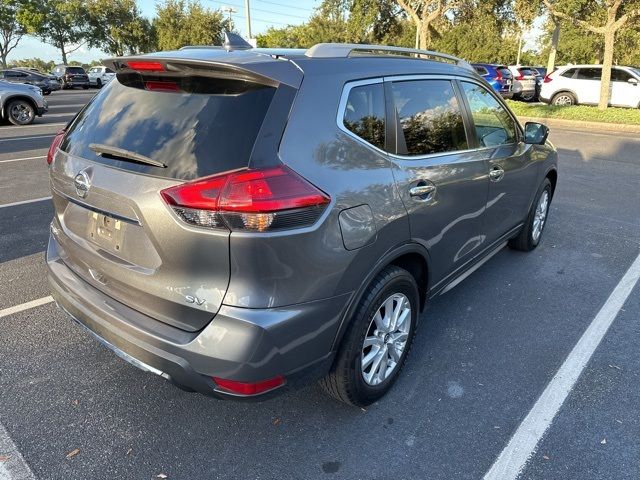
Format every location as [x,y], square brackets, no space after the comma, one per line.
[540,216]
[386,339]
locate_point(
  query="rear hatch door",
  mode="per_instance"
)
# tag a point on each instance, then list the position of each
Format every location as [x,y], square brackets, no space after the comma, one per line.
[114,228]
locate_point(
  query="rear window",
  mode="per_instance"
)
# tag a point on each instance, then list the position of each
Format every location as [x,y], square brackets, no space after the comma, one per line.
[481,71]
[526,71]
[207,126]
[505,72]
[75,70]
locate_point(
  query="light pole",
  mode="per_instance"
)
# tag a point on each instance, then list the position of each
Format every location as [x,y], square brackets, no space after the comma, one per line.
[229,10]
[248,15]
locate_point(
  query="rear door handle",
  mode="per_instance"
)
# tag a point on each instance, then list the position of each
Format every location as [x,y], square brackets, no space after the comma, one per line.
[496,173]
[422,190]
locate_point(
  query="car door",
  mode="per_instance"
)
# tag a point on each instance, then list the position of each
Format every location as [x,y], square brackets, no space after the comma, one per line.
[512,174]
[588,84]
[625,89]
[441,180]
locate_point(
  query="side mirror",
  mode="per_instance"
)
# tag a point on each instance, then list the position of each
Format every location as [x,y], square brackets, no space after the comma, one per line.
[535,133]
[633,81]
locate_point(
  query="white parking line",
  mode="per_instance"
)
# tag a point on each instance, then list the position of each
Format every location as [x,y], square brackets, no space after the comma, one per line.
[68,105]
[14,467]
[37,125]
[25,306]
[522,445]
[23,202]
[44,135]
[22,159]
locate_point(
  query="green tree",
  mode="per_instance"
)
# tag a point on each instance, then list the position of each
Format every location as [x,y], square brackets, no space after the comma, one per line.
[11,30]
[179,23]
[61,23]
[117,27]
[602,17]
[38,63]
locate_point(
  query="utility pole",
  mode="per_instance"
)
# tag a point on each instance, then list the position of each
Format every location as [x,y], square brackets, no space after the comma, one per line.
[248,15]
[229,10]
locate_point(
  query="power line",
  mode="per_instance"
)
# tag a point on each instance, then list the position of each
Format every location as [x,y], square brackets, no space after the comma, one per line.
[258,10]
[285,5]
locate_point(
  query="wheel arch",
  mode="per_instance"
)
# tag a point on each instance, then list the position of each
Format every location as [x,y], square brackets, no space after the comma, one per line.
[411,256]
[552,175]
[12,98]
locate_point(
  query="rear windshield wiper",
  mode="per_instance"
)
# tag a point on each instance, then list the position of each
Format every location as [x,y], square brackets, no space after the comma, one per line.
[122,154]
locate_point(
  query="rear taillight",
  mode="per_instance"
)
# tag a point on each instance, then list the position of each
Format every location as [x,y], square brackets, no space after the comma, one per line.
[520,77]
[251,200]
[547,79]
[243,388]
[54,146]
[498,75]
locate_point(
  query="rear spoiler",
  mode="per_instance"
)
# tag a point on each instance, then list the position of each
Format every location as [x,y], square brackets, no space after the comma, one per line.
[215,62]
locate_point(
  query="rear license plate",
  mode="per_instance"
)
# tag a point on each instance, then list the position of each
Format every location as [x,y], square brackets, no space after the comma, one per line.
[106,231]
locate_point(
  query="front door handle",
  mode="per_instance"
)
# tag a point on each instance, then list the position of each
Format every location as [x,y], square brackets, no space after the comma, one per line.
[496,173]
[422,190]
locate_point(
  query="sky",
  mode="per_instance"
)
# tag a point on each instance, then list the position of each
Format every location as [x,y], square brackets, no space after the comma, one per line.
[264,14]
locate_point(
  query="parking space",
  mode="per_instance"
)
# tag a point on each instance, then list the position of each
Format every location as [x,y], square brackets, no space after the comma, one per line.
[484,354]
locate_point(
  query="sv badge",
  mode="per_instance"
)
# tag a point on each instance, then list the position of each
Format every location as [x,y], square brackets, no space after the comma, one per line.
[196,300]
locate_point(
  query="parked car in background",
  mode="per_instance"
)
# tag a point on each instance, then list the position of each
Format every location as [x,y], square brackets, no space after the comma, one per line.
[580,85]
[71,77]
[99,76]
[18,75]
[202,234]
[524,82]
[21,103]
[498,76]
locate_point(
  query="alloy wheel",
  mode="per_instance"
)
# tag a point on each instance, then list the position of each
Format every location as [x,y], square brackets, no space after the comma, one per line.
[21,112]
[540,216]
[386,339]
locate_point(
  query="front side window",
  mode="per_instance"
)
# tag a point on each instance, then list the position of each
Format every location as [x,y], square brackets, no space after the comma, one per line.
[618,75]
[364,113]
[494,126]
[430,116]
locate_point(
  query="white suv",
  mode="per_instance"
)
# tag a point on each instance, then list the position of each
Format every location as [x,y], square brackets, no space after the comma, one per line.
[99,76]
[580,84]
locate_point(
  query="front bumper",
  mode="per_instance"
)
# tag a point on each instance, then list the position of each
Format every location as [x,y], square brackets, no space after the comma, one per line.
[246,345]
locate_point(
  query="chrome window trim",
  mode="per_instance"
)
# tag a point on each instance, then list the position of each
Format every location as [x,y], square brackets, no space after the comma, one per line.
[342,106]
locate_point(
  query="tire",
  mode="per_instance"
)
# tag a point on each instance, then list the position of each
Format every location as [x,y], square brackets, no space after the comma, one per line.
[20,112]
[527,97]
[347,381]
[529,237]
[564,99]
[98,83]
[85,87]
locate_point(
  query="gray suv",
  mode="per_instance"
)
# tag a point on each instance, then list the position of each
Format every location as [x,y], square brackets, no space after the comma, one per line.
[20,103]
[240,221]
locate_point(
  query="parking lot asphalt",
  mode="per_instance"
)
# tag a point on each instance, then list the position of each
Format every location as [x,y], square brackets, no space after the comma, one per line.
[483,355]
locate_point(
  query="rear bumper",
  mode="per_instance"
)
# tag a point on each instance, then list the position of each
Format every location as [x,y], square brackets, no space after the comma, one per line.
[246,345]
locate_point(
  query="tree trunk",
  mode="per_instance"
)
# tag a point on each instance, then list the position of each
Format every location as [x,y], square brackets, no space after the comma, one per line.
[555,38]
[4,60]
[417,35]
[425,35]
[64,54]
[607,62]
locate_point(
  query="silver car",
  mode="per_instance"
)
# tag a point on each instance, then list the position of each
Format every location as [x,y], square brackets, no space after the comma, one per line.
[240,221]
[21,103]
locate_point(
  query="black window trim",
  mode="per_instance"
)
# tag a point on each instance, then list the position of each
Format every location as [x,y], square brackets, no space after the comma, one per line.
[342,106]
[469,117]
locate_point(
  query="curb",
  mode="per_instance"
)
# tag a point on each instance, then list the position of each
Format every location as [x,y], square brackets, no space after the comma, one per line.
[582,125]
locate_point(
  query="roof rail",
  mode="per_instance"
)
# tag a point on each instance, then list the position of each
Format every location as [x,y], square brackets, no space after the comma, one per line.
[343,50]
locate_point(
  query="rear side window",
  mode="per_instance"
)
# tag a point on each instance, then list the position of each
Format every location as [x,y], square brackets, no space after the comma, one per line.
[589,73]
[569,73]
[204,126]
[494,126]
[364,113]
[430,116]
